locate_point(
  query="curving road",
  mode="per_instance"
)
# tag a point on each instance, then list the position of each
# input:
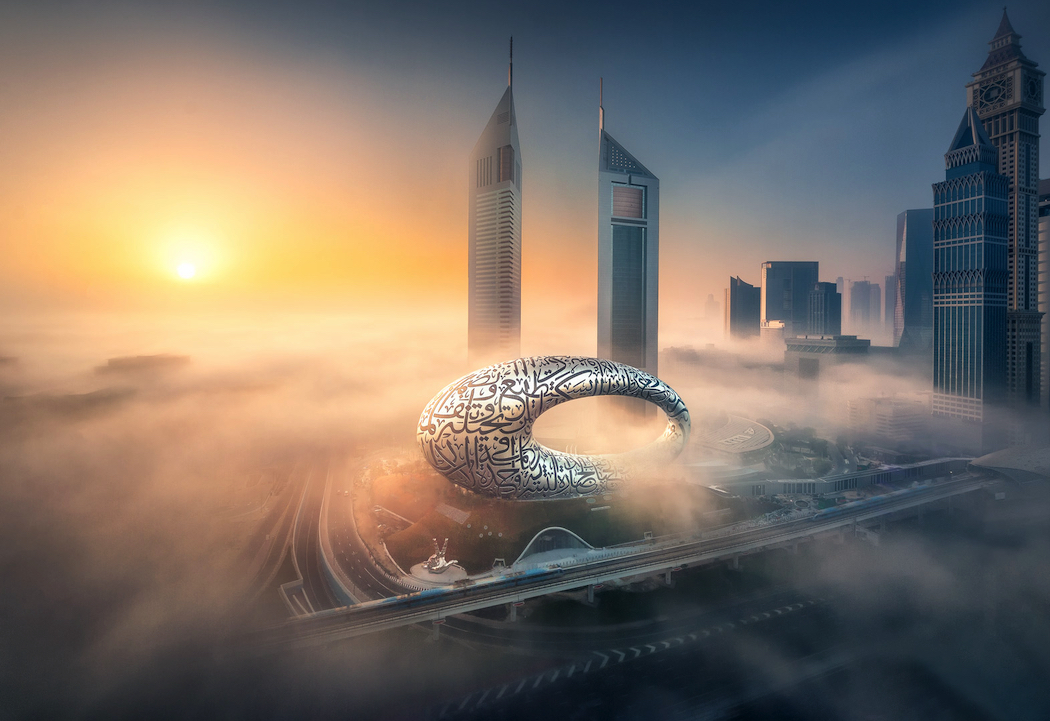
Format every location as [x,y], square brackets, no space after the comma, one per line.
[359,620]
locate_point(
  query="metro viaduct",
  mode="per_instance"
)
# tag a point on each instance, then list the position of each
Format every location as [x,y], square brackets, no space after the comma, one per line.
[336,624]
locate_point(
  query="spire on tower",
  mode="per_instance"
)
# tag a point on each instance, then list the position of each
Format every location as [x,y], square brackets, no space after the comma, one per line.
[1005,28]
[1004,47]
[510,68]
[601,110]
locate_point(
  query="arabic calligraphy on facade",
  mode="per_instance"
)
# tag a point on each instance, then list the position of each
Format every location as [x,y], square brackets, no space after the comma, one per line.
[477,431]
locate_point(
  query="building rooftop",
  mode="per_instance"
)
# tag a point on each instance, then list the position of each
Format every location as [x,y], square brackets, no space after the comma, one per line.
[828,344]
[736,435]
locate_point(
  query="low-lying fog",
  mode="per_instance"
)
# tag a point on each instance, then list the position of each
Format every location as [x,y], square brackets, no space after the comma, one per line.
[133,451]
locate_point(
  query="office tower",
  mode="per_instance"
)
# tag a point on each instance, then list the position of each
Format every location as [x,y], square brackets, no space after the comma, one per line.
[825,310]
[1044,288]
[970,241]
[494,238]
[785,293]
[913,305]
[628,255]
[860,296]
[711,307]
[840,284]
[889,298]
[743,309]
[875,305]
[1007,93]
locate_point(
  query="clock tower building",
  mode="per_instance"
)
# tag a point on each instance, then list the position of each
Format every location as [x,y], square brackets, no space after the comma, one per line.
[1007,94]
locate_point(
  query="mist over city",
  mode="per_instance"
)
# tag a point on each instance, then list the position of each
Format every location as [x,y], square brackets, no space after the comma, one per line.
[479,362]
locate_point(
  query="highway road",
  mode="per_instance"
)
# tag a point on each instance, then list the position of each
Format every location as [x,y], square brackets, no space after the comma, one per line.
[306,543]
[348,550]
[359,620]
[274,532]
[560,640]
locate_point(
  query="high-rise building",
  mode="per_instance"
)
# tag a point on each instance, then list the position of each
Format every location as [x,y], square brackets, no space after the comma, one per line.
[913,303]
[1007,93]
[889,298]
[860,297]
[628,255]
[785,293]
[888,420]
[970,241]
[825,310]
[494,238]
[1044,288]
[742,309]
[711,307]
[875,306]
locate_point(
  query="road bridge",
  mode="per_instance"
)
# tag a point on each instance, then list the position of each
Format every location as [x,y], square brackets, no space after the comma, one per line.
[357,620]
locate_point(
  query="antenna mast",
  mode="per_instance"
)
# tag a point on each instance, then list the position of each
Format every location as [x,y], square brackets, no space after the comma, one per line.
[601,110]
[510,68]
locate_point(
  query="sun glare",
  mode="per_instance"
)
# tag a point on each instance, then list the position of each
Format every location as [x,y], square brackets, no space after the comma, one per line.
[186,270]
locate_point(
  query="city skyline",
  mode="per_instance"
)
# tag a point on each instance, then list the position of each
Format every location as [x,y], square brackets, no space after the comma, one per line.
[338,252]
[300,414]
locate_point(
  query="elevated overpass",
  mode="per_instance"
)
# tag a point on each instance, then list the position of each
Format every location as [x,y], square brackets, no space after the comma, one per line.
[434,605]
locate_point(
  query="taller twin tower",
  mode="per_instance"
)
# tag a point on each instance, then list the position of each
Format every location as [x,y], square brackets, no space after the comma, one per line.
[628,246]
[494,237]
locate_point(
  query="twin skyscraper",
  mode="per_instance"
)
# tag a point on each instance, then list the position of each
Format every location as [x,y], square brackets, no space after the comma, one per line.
[628,246]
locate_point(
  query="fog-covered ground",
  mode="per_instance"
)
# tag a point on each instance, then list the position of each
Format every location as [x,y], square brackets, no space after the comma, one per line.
[125,484]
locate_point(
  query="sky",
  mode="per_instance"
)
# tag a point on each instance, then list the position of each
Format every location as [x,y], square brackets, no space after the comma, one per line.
[314,157]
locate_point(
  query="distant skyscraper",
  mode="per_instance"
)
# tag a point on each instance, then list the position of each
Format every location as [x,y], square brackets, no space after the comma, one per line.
[860,297]
[1044,287]
[1007,93]
[913,303]
[711,307]
[628,255]
[888,295]
[825,310]
[875,306]
[743,309]
[494,238]
[785,293]
[970,241]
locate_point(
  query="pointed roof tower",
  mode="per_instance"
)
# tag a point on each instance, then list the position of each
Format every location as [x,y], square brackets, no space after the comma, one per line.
[971,150]
[1005,28]
[971,132]
[613,157]
[1004,47]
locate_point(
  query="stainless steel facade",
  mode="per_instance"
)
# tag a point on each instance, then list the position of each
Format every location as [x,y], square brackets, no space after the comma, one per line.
[477,431]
